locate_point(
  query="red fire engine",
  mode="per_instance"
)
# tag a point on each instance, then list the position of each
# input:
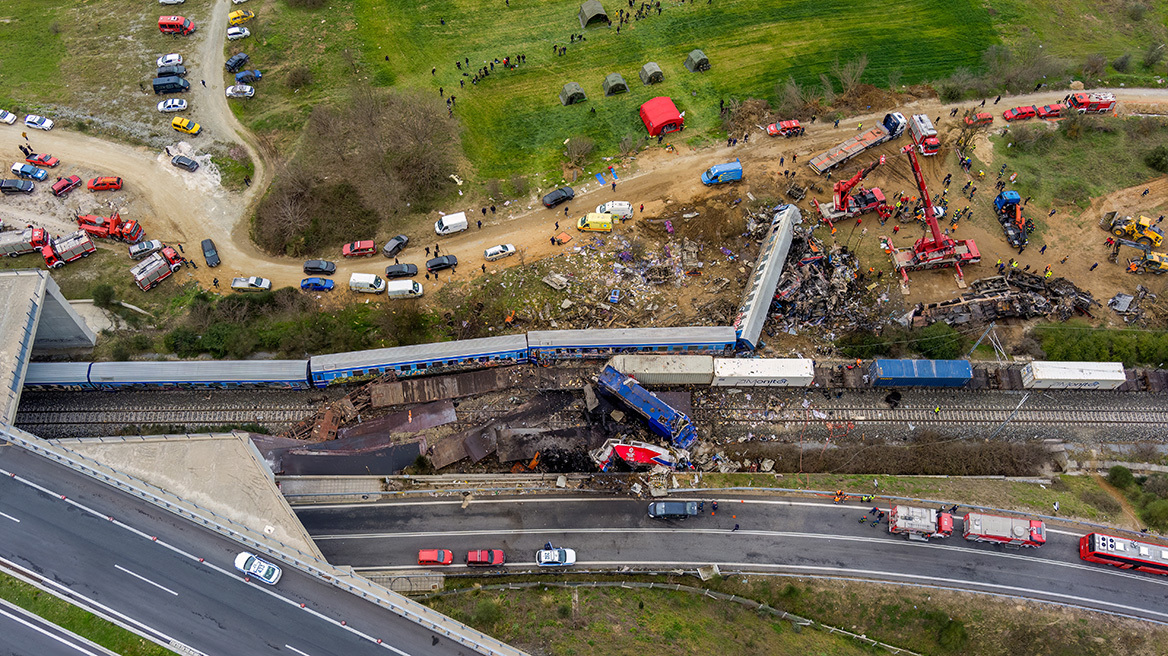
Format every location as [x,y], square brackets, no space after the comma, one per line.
[111,227]
[1092,103]
[919,523]
[60,252]
[1124,553]
[1013,531]
[156,268]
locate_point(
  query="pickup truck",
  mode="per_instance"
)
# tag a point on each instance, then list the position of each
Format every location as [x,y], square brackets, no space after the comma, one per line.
[253,284]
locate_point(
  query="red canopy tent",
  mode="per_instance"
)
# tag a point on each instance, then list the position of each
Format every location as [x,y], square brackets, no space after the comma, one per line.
[660,116]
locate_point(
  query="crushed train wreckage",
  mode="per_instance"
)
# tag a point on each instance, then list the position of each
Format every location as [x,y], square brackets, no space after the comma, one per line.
[1016,295]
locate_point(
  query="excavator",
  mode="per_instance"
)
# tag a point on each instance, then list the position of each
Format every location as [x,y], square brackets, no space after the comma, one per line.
[865,200]
[1147,262]
[935,250]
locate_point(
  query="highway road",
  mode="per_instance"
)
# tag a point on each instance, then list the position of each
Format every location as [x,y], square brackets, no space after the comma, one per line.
[176,581]
[791,536]
[25,633]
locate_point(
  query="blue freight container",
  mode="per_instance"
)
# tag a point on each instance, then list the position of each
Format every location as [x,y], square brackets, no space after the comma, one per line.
[920,373]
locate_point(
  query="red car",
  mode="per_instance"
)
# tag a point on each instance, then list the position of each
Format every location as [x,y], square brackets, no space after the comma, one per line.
[435,557]
[1020,113]
[43,159]
[785,128]
[64,185]
[485,558]
[105,183]
[981,118]
[359,248]
[1050,111]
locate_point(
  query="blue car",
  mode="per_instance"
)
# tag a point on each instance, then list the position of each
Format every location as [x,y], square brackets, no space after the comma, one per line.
[29,171]
[247,77]
[316,285]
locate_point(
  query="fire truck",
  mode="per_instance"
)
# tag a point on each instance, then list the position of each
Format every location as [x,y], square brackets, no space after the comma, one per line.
[1011,531]
[1092,103]
[111,227]
[156,268]
[923,134]
[64,250]
[919,523]
[29,240]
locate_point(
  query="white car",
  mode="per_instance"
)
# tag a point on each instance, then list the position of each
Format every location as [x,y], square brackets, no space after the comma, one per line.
[498,252]
[555,557]
[235,33]
[171,2]
[7,117]
[173,59]
[240,91]
[172,105]
[38,122]
[621,208]
[238,2]
[253,565]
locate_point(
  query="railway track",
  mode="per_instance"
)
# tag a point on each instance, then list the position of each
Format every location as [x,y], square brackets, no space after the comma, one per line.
[274,416]
[1088,417]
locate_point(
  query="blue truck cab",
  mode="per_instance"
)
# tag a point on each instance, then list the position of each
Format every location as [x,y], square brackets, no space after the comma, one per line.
[1007,198]
[723,173]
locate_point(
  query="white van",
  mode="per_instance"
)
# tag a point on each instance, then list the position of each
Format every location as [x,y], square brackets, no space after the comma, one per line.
[498,252]
[367,283]
[451,223]
[621,208]
[403,289]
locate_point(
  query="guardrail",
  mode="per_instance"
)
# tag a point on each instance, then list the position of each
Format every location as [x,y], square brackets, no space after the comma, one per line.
[227,527]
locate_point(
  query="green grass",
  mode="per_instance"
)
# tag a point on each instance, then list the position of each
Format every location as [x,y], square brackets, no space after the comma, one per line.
[30,52]
[78,621]
[1076,28]
[513,119]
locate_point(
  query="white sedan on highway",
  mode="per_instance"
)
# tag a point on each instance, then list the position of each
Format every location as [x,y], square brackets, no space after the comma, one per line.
[253,565]
[173,59]
[235,33]
[172,105]
[240,91]
[38,122]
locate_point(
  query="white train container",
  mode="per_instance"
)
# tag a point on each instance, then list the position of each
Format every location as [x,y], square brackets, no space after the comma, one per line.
[763,372]
[1073,375]
[666,369]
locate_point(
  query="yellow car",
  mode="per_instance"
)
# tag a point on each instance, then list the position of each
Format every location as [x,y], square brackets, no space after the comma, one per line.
[239,17]
[185,125]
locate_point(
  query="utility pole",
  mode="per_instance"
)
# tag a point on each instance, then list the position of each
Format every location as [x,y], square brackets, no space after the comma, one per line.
[1011,417]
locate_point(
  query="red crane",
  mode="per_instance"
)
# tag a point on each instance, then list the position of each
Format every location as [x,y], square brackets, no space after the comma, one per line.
[866,200]
[935,250]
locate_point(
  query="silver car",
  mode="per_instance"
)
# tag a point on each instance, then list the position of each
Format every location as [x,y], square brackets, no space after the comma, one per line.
[240,91]
[144,249]
[235,33]
[172,105]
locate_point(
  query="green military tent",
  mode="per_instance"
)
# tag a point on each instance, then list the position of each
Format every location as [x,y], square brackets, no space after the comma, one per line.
[614,84]
[651,74]
[697,61]
[571,94]
[592,12]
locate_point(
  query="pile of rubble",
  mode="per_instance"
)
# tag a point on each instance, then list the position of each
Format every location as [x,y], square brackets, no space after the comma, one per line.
[1016,295]
[1135,308]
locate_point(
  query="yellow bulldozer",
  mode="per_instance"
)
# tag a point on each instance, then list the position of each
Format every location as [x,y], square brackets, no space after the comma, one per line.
[1138,230]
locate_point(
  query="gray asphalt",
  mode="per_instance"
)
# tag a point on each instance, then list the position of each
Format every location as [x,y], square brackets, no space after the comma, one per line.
[208,610]
[789,536]
[25,633]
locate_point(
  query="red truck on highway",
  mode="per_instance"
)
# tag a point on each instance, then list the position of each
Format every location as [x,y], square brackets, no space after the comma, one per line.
[29,240]
[1014,531]
[64,250]
[919,523]
[156,268]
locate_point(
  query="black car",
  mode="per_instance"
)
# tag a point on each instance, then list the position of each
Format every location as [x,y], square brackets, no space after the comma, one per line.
[441,262]
[15,187]
[561,195]
[167,71]
[401,271]
[320,267]
[236,62]
[395,246]
[210,254]
[184,162]
[673,509]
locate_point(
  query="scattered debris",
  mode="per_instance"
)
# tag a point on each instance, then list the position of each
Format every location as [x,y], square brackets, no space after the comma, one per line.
[1016,295]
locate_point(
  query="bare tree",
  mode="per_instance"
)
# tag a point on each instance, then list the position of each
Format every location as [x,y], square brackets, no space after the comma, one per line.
[894,80]
[577,150]
[828,89]
[1095,65]
[849,74]
[793,98]
[519,184]
[1154,54]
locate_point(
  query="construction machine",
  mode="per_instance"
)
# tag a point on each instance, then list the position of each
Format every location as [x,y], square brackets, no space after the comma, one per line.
[110,227]
[935,250]
[1017,227]
[1141,230]
[1147,262]
[845,206]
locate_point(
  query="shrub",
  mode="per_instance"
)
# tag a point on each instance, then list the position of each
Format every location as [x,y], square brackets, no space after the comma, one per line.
[306,4]
[494,188]
[1157,159]
[564,611]
[1156,514]
[1153,55]
[1122,63]
[487,614]
[863,345]
[183,342]
[1102,501]
[1121,477]
[1157,486]
[953,635]
[1094,65]
[519,184]
[299,76]
[578,149]
[103,295]
[940,341]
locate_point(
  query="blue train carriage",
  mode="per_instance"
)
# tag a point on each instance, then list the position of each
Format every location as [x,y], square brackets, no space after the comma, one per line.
[417,360]
[920,373]
[57,376]
[201,374]
[548,345]
[663,418]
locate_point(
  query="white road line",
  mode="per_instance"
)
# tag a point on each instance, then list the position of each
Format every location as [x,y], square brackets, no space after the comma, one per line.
[50,634]
[143,578]
[295,650]
[10,517]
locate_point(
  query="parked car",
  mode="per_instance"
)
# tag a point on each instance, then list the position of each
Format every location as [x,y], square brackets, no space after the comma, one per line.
[42,159]
[621,208]
[145,248]
[210,254]
[435,557]
[172,105]
[240,91]
[16,187]
[184,162]
[498,252]
[173,59]
[247,77]
[171,2]
[551,556]
[401,271]
[253,565]
[105,183]
[1020,113]
[186,125]
[316,285]
[238,2]
[240,16]
[64,185]
[359,248]
[237,33]
[979,119]
[171,71]
[7,117]
[1050,111]
[236,61]
[485,558]
[441,262]
[673,509]
[320,267]
[28,171]
[395,246]
[38,122]
[561,195]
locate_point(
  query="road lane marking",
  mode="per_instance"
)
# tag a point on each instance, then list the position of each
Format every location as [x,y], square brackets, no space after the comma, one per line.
[10,517]
[296,650]
[49,634]
[143,578]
